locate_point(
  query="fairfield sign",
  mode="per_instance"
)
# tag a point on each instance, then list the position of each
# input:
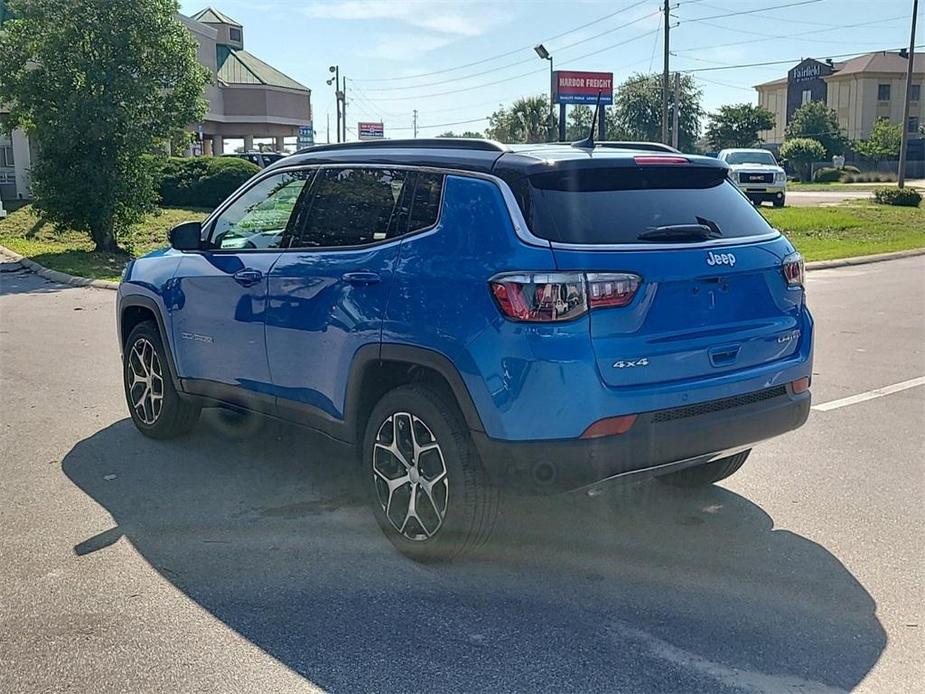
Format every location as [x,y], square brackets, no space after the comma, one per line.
[571,87]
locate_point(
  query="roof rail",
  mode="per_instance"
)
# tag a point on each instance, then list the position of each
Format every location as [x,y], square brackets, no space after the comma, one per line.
[421,143]
[644,146]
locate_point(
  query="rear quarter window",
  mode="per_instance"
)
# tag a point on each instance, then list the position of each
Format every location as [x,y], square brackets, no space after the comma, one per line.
[615,206]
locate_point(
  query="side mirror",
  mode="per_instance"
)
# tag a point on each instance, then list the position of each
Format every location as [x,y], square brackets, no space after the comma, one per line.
[186,236]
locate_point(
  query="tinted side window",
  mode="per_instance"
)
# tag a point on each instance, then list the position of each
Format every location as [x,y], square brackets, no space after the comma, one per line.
[351,207]
[425,202]
[260,217]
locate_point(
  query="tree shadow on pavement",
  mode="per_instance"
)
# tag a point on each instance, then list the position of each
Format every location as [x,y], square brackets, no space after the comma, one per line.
[646,589]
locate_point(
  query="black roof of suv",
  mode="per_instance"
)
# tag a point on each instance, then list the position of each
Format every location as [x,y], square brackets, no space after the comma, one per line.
[487,156]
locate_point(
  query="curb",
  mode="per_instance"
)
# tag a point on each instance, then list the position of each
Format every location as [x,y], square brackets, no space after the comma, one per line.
[75,281]
[863,259]
[54,275]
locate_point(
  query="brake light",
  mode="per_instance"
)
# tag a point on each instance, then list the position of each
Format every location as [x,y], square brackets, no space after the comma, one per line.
[794,272]
[559,296]
[659,160]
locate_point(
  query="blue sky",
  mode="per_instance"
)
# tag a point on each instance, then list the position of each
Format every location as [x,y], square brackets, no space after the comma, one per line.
[400,55]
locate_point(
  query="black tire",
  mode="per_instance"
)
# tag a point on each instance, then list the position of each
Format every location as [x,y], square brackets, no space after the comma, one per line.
[779,203]
[468,498]
[175,416]
[702,475]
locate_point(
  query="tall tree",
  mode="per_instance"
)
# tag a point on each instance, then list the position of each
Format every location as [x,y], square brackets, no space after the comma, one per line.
[637,104]
[526,121]
[737,125]
[96,85]
[818,122]
[884,141]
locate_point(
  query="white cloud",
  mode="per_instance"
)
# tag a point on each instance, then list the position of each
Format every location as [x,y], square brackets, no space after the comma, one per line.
[455,17]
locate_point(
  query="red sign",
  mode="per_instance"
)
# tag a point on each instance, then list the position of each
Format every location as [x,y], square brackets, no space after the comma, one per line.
[370,131]
[570,87]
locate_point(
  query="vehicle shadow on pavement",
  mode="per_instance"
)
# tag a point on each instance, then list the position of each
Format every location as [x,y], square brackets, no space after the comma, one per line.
[645,589]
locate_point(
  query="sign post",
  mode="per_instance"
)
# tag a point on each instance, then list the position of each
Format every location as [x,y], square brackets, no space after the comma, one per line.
[370,131]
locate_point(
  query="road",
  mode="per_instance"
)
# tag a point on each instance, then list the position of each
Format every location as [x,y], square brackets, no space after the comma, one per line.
[235,561]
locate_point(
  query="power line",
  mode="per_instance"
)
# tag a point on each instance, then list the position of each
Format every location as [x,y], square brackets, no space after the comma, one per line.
[786,62]
[760,9]
[769,37]
[514,64]
[514,77]
[507,53]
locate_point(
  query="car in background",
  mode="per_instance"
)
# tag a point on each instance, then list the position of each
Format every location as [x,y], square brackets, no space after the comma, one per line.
[467,318]
[757,174]
[261,159]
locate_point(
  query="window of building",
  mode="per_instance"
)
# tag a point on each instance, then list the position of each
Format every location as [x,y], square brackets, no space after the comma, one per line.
[352,207]
[913,125]
[807,96]
[916,92]
[234,34]
[260,217]
[883,92]
[6,156]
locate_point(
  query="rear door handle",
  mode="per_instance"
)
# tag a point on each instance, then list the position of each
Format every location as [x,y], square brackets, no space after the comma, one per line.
[248,276]
[362,277]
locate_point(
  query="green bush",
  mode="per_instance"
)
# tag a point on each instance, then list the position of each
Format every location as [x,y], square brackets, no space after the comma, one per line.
[903,197]
[827,175]
[870,177]
[200,181]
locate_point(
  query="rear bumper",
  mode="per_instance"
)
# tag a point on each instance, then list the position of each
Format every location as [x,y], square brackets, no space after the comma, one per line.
[658,442]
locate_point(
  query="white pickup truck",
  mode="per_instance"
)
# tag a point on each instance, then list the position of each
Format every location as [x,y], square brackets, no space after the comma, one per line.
[757,174]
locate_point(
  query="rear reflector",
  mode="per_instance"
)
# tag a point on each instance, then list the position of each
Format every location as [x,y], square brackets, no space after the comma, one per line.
[612,426]
[801,385]
[659,160]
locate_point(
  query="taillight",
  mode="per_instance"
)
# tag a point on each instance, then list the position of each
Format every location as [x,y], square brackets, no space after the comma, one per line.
[794,271]
[543,297]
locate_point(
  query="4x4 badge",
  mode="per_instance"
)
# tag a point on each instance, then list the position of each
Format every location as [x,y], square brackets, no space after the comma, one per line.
[721,259]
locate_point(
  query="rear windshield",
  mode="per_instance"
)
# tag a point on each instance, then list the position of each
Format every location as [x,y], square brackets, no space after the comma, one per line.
[617,205]
[757,157]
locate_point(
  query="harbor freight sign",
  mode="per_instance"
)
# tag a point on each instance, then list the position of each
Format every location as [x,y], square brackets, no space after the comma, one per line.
[370,131]
[571,87]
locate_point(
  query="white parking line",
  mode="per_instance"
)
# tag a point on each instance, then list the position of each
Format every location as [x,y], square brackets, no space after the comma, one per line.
[870,394]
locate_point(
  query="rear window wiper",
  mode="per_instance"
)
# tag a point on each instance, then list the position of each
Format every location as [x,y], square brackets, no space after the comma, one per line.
[681,232]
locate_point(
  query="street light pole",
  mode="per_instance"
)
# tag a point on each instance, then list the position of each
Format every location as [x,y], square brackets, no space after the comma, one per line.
[544,55]
[904,140]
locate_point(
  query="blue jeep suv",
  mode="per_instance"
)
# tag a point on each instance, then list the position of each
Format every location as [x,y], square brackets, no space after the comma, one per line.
[467,317]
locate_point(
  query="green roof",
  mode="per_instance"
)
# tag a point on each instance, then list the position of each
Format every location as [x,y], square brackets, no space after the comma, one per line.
[236,66]
[213,16]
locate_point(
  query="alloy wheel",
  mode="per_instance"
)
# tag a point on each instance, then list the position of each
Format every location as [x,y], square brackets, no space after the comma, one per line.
[411,477]
[146,389]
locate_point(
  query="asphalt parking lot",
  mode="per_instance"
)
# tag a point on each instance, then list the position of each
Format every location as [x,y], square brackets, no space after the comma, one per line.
[243,561]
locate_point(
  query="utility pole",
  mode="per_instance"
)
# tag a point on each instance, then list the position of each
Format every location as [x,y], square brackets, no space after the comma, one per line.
[667,20]
[676,101]
[343,101]
[904,141]
[414,123]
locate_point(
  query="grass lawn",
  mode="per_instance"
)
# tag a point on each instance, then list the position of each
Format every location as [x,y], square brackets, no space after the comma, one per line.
[72,252]
[821,233]
[851,229]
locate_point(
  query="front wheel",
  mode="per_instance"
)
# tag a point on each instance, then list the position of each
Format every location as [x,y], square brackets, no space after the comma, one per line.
[702,475]
[157,409]
[428,489]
